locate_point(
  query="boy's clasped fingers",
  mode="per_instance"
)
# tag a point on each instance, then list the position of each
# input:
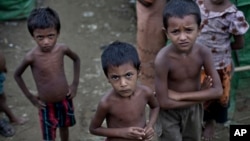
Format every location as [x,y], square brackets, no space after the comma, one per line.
[149,134]
[207,82]
[137,133]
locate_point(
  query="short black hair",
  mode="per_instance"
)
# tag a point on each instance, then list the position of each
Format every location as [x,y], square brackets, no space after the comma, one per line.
[181,8]
[119,53]
[41,18]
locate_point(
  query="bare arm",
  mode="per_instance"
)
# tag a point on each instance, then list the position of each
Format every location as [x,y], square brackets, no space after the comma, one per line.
[215,91]
[76,61]
[161,85]
[3,67]
[153,114]
[238,42]
[18,77]
[96,127]
[154,109]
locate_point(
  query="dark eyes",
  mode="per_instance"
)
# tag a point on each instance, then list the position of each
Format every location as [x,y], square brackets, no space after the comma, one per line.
[187,30]
[127,75]
[114,77]
[175,31]
[50,36]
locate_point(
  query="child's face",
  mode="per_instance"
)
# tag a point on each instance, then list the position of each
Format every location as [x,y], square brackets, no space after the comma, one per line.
[182,32]
[45,38]
[123,79]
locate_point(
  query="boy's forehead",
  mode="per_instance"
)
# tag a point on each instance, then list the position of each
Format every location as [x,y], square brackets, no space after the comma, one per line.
[126,64]
[123,66]
[186,19]
[44,30]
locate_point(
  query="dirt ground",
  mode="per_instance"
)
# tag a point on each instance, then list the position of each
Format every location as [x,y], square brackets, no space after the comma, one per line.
[87,25]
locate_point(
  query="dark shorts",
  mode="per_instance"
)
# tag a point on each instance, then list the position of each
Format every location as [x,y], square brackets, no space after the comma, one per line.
[56,115]
[215,111]
[183,124]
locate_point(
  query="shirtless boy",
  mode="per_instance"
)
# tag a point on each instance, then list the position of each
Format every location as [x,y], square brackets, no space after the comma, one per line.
[55,95]
[123,107]
[178,71]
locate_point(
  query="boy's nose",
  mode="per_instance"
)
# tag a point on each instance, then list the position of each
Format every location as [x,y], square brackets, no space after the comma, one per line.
[46,41]
[183,36]
[123,82]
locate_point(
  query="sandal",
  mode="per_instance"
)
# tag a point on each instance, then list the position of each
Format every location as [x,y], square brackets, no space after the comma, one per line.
[6,129]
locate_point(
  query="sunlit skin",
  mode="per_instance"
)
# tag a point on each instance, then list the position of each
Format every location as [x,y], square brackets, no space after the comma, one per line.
[47,66]
[178,66]
[123,107]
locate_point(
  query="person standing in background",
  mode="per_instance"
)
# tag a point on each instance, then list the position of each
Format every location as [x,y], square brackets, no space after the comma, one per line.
[221,20]
[150,37]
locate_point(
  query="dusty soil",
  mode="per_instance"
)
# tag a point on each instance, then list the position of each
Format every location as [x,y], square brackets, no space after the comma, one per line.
[87,25]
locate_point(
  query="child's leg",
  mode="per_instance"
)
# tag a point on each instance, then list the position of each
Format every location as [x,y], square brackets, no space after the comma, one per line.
[64,133]
[4,108]
[209,129]
[217,110]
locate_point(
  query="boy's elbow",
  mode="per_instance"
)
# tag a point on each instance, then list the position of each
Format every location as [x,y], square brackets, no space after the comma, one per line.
[165,105]
[91,130]
[17,75]
[219,92]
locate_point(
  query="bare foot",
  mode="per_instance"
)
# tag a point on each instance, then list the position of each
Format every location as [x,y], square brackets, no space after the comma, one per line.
[19,121]
[208,132]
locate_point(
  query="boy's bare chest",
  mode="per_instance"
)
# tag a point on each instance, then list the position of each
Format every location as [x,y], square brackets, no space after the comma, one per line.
[128,111]
[185,68]
[48,62]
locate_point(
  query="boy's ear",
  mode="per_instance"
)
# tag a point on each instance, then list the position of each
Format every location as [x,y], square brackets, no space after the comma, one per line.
[199,29]
[139,72]
[164,30]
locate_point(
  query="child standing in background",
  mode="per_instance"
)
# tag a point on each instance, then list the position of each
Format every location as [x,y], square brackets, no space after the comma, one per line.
[46,60]
[149,37]
[3,104]
[221,20]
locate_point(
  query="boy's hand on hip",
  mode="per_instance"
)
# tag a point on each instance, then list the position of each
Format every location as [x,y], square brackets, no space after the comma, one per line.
[35,100]
[72,92]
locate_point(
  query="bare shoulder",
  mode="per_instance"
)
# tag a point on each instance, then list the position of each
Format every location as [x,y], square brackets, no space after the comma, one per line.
[162,59]
[203,50]
[30,55]
[106,99]
[144,90]
[62,46]
[163,54]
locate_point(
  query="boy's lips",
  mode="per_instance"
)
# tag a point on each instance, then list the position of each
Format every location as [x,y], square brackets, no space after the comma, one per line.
[125,91]
[184,44]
